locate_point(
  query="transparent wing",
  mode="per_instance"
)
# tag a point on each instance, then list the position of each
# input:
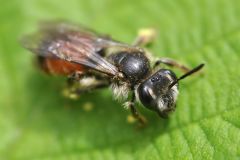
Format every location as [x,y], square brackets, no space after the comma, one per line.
[71,43]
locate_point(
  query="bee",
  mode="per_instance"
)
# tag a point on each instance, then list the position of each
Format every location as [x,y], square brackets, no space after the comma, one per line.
[91,61]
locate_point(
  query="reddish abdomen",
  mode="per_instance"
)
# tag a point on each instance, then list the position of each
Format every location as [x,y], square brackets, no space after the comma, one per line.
[59,67]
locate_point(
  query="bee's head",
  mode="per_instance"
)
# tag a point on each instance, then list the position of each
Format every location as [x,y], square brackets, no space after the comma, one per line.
[159,92]
[155,94]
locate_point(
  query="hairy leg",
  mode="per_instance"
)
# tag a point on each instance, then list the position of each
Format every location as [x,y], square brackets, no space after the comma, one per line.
[78,83]
[171,63]
[135,113]
[76,76]
[145,37]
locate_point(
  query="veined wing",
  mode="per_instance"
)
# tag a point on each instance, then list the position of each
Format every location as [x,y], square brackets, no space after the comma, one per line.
[71,43]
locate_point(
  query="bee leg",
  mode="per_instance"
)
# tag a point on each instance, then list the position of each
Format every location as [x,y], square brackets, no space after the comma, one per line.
[82,85]
[141,119]
[145,37]
[72,84]
[72,78]
[100,85]
[172,63]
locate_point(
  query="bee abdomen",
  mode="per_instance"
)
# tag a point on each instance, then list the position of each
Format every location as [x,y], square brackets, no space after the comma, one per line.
[58,66]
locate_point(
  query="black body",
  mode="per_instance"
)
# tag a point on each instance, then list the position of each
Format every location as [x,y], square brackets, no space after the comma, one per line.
[134,66]
[152,87]
[103,61]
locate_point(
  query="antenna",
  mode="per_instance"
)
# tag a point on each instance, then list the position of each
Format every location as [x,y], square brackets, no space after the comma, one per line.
[186,75]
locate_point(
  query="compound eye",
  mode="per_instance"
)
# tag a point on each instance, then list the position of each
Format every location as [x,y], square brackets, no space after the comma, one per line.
[147,96]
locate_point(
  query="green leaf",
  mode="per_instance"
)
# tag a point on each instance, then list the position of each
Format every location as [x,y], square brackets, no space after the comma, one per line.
[37,122]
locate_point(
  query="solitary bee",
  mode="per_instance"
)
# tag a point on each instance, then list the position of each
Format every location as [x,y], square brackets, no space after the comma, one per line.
[92,61]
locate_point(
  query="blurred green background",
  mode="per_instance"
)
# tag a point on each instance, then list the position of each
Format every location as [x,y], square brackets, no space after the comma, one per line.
[37,122]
